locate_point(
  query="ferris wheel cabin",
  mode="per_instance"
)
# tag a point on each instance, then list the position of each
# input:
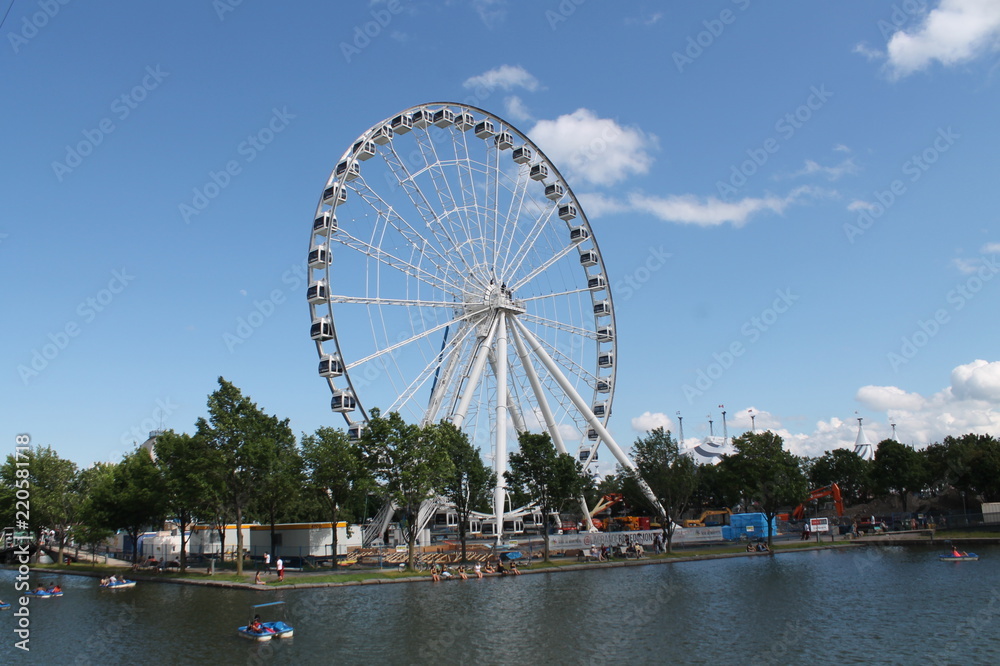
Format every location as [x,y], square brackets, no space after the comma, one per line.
[364,150]
[585,453]
[592,434]
[605,334]
[588,258]
[578,234]
[539,172]
[331,366]
[325,222]
[318,292]
[354,431]
[444,117]
[464,121]
[343,401]
[567,212]
[600,409]
[605,359]
[521,155]
[484,130]
[321,329]
[602,308]
[320,257]
[504,140]
[348,171]
[383,135]
[555,191]
[597,283]
[421,118]
[334,194]
[401,124]
[605,384]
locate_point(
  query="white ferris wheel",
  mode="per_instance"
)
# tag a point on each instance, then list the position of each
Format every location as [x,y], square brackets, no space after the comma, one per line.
[454,275]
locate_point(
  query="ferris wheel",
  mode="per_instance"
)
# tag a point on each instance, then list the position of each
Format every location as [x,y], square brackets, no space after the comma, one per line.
[454,275]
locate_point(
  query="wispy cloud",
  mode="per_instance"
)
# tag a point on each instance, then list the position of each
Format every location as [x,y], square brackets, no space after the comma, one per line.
[504,77]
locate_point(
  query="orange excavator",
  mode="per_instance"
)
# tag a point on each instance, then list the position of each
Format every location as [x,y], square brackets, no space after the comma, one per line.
[833,489]
[605,504]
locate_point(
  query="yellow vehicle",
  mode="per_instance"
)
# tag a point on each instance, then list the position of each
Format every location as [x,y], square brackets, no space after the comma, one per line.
[700,522]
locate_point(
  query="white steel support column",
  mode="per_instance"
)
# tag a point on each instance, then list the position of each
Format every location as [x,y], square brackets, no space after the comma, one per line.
[550,422]
[474,375]
[582,406]
[500,457]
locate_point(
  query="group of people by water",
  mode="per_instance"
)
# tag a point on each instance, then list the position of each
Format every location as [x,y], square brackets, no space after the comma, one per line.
[440,572]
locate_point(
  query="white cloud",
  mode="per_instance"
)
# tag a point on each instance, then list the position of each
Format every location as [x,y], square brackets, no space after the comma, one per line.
[710,211]
[990,248]
[505,77]
[884,398]
[596,150]
[978,380]
[830,172]
[515,109]
[858,204]
[956,31]
[651,421]
[967,266]
[491,12]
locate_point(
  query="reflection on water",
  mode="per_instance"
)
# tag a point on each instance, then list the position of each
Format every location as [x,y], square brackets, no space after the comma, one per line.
[873,605]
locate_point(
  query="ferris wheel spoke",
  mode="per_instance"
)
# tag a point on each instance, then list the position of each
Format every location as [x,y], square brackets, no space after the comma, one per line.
[421,378]
[582,290]
[392,218]
[450,212]
[542,267]
[567,363]
[432,220]
[526,250]
[454,352]
[407,341]
[515,213]
[467,184]
[559,326]
[388,259]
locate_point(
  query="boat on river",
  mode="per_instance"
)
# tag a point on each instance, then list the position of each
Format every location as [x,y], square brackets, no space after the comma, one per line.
[117,585]
[5,605]
[256,630]
[964,557]
[45,594]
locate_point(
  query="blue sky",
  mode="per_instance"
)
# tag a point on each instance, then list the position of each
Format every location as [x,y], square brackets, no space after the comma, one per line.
[796,202]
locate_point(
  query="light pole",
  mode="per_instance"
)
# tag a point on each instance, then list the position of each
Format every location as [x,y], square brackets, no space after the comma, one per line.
[753,422]
[680,427]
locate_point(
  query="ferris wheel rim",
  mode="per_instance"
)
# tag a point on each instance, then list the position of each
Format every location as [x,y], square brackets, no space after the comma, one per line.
[555,176]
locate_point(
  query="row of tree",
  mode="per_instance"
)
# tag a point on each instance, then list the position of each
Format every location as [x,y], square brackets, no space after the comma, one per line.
[242,464]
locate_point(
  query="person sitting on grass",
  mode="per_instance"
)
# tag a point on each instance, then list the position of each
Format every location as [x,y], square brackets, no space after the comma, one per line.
[257,580]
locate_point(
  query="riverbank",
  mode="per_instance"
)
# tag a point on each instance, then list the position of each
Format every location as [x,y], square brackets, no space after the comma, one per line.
[297,580]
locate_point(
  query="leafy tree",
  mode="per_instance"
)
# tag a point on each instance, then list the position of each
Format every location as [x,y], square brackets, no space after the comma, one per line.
[132,497]
[845,468]
[243,435]
[336,469]
[93,526]
[469,485]
[769,475]
[186,465]
[549,478]
[899,469]
[278,470]
[410,464]
[55,502]
[669,474]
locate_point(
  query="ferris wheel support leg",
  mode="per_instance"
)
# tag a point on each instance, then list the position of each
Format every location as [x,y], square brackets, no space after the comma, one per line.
[584,408]
[500,459]
[474,376]
[515,414]
[543,404]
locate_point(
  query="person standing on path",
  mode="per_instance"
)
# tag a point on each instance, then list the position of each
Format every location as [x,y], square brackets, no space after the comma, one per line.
[267,562]
[280,565]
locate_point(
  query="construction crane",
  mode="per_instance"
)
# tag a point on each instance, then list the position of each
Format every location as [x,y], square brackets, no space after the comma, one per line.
[833,489]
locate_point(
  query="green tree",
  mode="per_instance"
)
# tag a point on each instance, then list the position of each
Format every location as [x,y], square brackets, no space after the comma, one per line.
[769,475]
[847,469]
[899,469]
[186,465]
[549,478]
[55,502]
[132,497]
[243,435]
[336,469]
[671,476]
[278,470]
[93,526]
[469,485]
[410,465]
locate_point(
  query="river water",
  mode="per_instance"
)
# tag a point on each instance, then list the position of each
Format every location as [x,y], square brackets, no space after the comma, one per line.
[891,605]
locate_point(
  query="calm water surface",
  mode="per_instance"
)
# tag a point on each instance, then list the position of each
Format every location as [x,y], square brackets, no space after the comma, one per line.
[890,605]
